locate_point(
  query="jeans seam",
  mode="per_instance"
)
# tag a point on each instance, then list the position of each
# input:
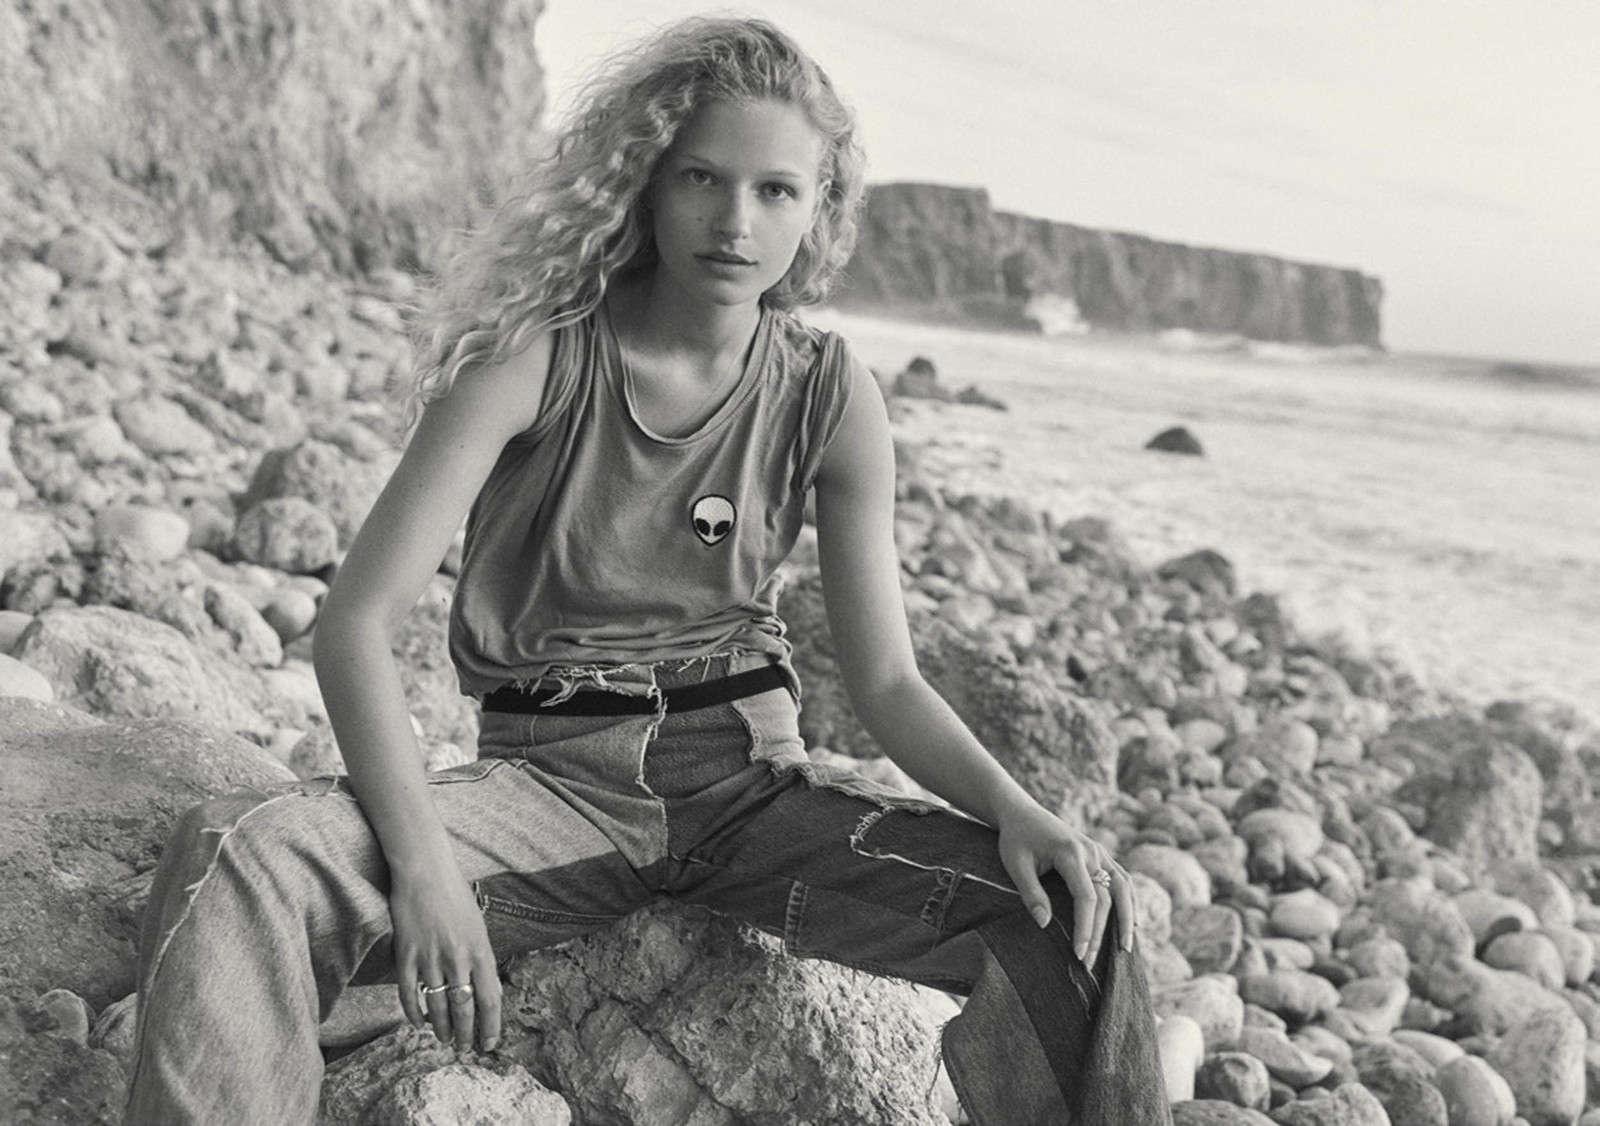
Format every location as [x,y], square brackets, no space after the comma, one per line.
[487,903]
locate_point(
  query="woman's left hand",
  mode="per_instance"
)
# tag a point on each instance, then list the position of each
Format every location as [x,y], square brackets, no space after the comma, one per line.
[1034,841]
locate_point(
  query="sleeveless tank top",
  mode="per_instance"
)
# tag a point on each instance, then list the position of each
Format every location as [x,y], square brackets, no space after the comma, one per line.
[597,542]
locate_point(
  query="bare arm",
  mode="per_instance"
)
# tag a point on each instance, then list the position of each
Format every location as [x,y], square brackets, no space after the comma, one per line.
[398,549]
[909,720]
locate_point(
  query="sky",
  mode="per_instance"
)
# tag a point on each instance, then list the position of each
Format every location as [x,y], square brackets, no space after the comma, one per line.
[1451,149]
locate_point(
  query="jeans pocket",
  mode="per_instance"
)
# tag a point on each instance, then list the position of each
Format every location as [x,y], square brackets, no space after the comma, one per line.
[515,926]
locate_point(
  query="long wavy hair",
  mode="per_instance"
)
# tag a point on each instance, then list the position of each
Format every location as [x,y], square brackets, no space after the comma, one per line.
[547,254]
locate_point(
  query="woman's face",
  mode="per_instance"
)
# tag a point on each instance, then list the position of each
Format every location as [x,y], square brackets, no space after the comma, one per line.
[733,197]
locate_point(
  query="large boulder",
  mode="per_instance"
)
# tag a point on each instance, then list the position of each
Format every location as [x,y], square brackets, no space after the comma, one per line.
[119,665]
[675,1015]
[85,810]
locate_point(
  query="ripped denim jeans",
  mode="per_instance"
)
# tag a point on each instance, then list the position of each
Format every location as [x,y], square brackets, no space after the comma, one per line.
[267,904]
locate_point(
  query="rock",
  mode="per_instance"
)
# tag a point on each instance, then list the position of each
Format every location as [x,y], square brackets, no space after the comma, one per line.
[1542,890]
[1529,953]
[141,533]
[72,1017]
[287,533]
[291,613]
[677,1013]
[1234,1077]
[75,861]
[1299,834]
[1402,1082]
[1436,1050]
[255,642]
[1182,1046]
[1542,1061]
[1216,1112]
[1285,1060]
[1297,996]
[49,1078]
[920,380]
[17,679]
[1183,877]
[1372,1006]
[1483,795]
[1380,956]
[408,1077]
[160,427]
[341,486]
[1487,1000]
[1577,952]
[1426,922]
[1304,914]
[1474,1093]
[1488,913]
[119,665]
[1208,935]
[1176,440]
[114,1029]
[1208,572]
[1351,1104]
[1286,747]
[1212,1000]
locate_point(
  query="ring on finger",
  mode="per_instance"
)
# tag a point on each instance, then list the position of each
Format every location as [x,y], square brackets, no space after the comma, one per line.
[461,993]
[424,990]
[1101,877]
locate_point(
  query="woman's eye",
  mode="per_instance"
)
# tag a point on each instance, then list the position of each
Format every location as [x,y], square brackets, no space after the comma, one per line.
[696,176]
[778,191]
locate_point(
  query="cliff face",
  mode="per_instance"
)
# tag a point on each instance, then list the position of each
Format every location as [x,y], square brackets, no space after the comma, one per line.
[341,134]
[933,249]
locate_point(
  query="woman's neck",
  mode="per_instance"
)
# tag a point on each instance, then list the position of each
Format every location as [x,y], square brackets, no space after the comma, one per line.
[657,319]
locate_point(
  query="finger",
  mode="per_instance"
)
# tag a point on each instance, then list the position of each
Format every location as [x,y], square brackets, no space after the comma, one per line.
[1075,872]
[1023,873]
[486,979]
[1102,911]
[1127,909]
[434,1002]
[405,970]
[461,998]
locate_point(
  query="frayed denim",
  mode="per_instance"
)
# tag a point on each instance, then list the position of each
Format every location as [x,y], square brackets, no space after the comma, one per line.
[267,904]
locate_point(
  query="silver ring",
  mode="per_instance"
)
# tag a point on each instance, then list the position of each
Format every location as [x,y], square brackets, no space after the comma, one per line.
[424,990]
[460,992]
[1101,877]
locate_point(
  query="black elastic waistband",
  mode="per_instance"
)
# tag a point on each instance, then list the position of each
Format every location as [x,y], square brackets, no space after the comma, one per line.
[683,698]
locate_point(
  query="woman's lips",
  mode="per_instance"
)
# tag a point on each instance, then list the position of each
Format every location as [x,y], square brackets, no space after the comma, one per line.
[726,259]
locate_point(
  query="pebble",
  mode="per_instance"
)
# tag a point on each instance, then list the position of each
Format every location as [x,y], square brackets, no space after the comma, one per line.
[287,533]
[1542,1061]
[141,532]
[18,679]
[1530,953]
[1577,950]
[1373,1005]
[1212,1000]
[1299,833]
[1379,956]
[291,613]
[1185,879]
[1437,1050]
[1350,1104]
[1181,1045]
[1488,913]
[1539,888]
[1425,921]
[1285,1060]
[1297,996]
[1304,914]
[1234,1077]
[71,1013]
[1208,935]
[1475,1094]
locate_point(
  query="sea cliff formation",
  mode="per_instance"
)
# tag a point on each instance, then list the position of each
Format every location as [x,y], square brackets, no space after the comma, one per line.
[929,249]
[346,134]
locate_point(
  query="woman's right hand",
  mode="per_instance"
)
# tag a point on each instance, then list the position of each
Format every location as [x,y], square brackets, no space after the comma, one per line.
[440,939]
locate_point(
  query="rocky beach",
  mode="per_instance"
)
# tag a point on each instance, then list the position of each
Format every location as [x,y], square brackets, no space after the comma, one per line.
[1367,888]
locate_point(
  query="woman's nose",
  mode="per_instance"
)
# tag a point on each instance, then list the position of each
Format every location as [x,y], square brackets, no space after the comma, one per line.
[733,216]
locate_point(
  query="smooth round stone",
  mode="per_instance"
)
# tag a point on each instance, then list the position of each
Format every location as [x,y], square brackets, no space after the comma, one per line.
[1234,1077]
[1285,1060]
[1437,1050]
[1542,1060]
[1543,890]
[1181,1046]
[1153,908]
[1474,1093]
[1375,1004]
[1208,935]
[1164,964]
[72,1014]
[18,679]
[1297,996]
[1203,735]
[1304,914]
[1319,1041]
[1216,1112]
[1186,881]
[1287,953]
[1300,834]
[1425,921]
[1577,952]
[291,613]
[1212,1000]
[1530,953]
[1488,913]
[1379,956]
[141,532]
[1350,1104]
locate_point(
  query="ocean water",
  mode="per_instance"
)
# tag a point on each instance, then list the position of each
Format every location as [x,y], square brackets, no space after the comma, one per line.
[1443,510]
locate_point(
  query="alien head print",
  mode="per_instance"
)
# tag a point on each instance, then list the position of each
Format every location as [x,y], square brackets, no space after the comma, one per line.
[713,518]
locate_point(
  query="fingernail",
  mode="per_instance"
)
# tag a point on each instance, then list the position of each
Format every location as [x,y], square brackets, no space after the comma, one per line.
[1041,915]
[490,1046]
[1127,943]
[1082,951]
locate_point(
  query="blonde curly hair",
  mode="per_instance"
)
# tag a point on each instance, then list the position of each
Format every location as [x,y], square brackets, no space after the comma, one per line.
[547,254]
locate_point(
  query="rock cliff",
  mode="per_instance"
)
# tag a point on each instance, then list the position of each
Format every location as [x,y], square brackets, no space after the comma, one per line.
[344,134]
[925,248]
